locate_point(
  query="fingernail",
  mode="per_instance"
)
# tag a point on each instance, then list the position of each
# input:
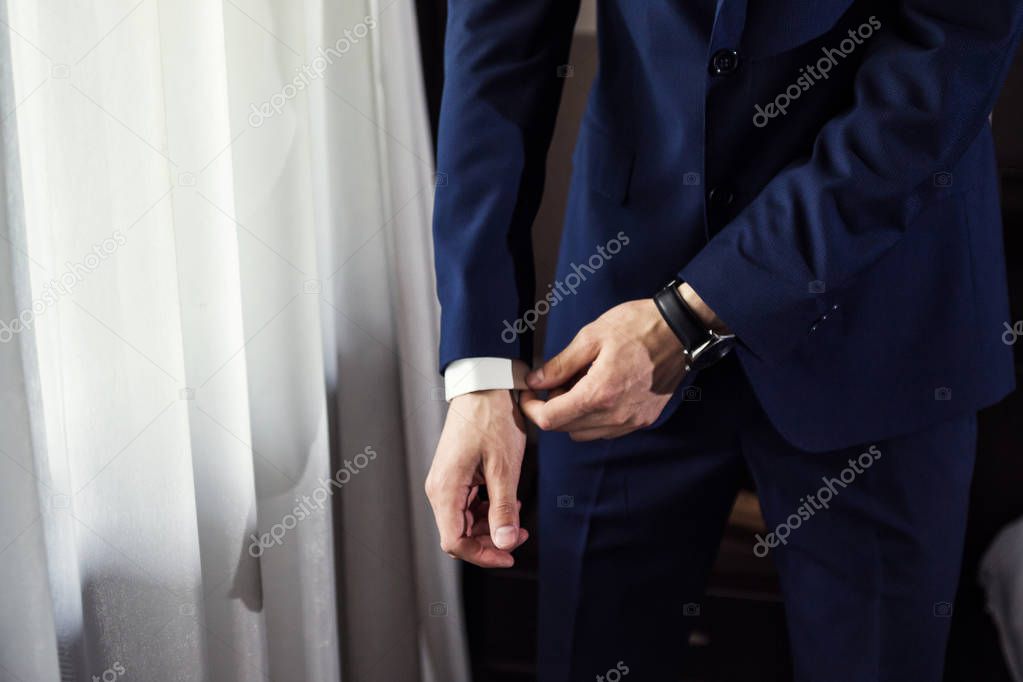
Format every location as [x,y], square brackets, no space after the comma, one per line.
[505,536]
[535,377]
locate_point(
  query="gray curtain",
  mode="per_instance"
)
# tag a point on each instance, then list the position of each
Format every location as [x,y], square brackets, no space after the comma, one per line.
[1001,576]
[217,345]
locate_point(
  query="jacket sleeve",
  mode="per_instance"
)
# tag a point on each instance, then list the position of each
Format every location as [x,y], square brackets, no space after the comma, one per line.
[503,76]
[922,95]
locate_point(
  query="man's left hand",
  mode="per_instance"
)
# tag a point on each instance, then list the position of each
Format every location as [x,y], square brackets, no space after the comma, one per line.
[628,363]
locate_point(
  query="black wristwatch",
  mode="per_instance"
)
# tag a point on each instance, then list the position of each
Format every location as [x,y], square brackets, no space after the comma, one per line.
[702,346]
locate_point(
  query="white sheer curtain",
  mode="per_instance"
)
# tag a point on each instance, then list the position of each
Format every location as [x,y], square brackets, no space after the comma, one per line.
[217,323]
[1001,576]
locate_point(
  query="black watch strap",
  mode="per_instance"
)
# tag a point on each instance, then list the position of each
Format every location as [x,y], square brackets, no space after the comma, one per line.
[682,320]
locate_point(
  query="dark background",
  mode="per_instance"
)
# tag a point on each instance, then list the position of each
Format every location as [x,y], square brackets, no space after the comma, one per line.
[739,634]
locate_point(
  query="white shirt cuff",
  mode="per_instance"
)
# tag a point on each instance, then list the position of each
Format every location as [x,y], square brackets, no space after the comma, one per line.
[483,374]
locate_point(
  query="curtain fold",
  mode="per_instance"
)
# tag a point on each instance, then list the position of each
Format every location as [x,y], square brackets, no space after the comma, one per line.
[387,329]
[217,345]
[28,643]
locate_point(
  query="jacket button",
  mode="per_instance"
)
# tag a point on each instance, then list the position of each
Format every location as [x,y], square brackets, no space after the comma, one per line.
[724,62]
[720,197]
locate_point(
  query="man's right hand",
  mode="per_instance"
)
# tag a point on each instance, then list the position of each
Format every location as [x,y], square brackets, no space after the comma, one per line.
[483,443]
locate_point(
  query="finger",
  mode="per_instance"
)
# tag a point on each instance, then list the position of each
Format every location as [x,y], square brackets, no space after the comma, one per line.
[585,435]
[555,392]
[486,556]
[481,508]
[561,390]
[565,365]
[471,503]
[556,412]
[526,395]
[449,504]
[611,418]
[481,525]
[480,529]
[486,541]
[531,406]
[503,509]
[565,387]
[604,419]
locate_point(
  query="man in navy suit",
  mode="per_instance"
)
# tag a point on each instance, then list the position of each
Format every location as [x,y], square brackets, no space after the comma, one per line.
[815,180]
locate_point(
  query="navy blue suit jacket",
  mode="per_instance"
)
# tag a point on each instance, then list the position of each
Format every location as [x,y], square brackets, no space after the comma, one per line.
[821,171]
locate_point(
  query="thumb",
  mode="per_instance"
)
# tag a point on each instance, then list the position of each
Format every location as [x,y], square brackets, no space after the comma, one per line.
[565,365]
[503,515]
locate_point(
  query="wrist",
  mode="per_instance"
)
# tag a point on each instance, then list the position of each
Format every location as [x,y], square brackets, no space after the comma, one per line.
[699,331]
[665,340]
[496,396]
[703,311]
[490,400]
